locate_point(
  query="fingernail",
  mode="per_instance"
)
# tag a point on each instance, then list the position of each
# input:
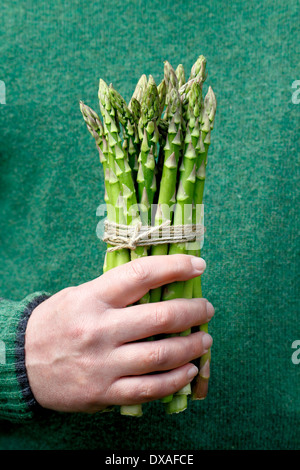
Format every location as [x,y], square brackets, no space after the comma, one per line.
[198,264]
[210,310]
[193,370]
[207,341]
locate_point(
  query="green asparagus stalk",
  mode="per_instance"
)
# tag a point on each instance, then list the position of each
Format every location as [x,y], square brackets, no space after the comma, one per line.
[112,187]
[118,157]
[134,107]
[180,74]
[124,171]
[187,178]
[111,132]
[197,75]
[200,385]
[162,131]
[125,177]
[162,93]
[191,97]
[185,201]
[171,81]
[128,120]
[93,123]
[183,216]
[148,133]
[138,92]
[167,193]
[198,70]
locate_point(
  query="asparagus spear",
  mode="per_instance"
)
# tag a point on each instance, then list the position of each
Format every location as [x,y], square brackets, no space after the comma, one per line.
[185,192]
[162,93]
[180,74]
[167,191]
[191,97]
[198,70]
[148,133]
[93,122]
[183,215]
[200,385]
[138,92]
[197,75]
[171,81]
[112,187]
[128,119]
[134,107]
[111,132]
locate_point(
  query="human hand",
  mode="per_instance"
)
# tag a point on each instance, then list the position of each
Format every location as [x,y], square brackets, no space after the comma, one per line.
[86,347]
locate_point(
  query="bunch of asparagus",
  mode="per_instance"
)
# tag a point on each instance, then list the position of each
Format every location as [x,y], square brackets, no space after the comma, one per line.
[153,151]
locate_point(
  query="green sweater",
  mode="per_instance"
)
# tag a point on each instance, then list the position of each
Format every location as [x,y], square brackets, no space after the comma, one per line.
[51,184]
[17,402]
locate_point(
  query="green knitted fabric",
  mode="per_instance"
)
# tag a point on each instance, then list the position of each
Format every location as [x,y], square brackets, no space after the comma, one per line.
[51,184]
[16,402]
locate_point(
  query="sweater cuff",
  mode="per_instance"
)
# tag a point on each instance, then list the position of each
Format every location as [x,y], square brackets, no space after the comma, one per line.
[17,402]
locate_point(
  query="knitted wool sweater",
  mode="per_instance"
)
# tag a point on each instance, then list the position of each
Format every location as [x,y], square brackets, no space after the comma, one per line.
[51,185]
[17,402]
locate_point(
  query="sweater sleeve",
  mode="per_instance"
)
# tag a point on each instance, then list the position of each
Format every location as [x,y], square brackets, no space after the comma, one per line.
[17,402]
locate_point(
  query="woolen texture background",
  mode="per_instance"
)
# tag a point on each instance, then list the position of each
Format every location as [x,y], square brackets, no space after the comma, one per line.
[51,184]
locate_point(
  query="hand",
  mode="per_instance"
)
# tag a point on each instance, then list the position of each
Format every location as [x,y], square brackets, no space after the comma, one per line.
[84,346]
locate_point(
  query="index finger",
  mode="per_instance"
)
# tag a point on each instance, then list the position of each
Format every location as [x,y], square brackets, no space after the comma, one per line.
[126,284]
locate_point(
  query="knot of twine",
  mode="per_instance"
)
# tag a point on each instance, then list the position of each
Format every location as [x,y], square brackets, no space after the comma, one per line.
[130,237]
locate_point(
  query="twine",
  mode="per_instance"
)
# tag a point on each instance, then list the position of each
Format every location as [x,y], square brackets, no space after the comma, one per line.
[130,237]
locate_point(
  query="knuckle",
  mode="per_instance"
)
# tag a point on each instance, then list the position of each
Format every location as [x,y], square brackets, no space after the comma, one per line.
[182,266]
[199,308]
[146,392]
[137,271]
[78,332]
[162,316]
[173,384]
[195,347]
[64,298]
[91,398]
[158,356]
[85,334]
[184,263]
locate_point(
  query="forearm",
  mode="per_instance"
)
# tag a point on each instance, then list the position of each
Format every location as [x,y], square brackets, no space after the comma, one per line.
[16,400]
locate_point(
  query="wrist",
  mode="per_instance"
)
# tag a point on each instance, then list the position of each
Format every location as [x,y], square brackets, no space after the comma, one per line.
[21,371]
